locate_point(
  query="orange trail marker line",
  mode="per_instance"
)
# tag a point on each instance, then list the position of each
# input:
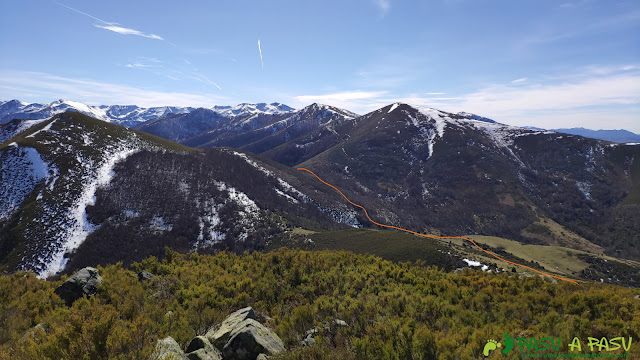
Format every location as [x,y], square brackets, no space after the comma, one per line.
[431,236]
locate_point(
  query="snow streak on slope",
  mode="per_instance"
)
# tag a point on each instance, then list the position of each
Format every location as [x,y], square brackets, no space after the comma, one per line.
[431,124]
[72,156]
[249,213]
[285,190]
[208,224]
[22,168]
[79,227]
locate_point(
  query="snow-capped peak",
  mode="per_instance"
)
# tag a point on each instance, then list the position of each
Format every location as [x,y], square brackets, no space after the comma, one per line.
[245,109]
[322,107]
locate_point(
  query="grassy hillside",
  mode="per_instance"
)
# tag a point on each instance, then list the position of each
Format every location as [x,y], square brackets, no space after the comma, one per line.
[394,310]
[447,253]
[389,245]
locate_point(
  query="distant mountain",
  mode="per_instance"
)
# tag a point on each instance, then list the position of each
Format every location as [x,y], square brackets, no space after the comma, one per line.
[256,128]
[428,170]
[126,115]
[246,109]
[618,136]
[182,127]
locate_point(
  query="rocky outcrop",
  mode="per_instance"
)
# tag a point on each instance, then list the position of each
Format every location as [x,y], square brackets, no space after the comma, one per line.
[168,349]
[34,334]
[84,282]
[220,335]
[145,275]
[250,339]
[240,336]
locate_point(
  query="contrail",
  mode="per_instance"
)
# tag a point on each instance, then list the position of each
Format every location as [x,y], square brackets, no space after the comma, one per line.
[206,79]
[114,26]
[260,51]
[85,14]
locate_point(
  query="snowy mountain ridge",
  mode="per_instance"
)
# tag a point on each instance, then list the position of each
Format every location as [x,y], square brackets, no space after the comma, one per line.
[126,115]
[246,109]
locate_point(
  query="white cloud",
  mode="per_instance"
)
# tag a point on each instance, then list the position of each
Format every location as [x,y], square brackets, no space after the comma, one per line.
[519,80]
[620,89]
[595,96]
[384,6]
[362,101]
[42,87]
[127,31]
[139,65]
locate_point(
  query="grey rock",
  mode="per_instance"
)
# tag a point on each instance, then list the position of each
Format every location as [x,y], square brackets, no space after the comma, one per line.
[308,341]
[330,328]
[220,335]
[145,275]
[198,342]
[168,349]
[203,354]
[637,297]
[340,323]
[250,339]
[201,349]
[262,357]
[34,334]
[309,337]
[83,282]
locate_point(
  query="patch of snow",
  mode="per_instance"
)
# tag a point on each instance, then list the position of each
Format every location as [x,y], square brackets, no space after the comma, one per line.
[393,107]
[253,163]
[46,128]
[22,168]
[287,196]
[130,214]
[80,227]
[248,205]
[585,189]
[472,263]
[207,223]
[26,124]
[287,187]
[158,224]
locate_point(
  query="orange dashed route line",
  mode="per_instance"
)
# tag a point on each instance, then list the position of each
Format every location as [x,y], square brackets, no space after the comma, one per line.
[431,236]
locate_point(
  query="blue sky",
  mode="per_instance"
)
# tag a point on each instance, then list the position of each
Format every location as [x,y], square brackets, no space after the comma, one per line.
[547,63]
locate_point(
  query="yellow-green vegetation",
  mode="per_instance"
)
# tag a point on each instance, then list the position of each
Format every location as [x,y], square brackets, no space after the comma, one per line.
[394,310]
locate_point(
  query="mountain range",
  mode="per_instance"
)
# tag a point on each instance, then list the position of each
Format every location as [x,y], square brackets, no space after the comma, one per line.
[126,115]
[79,190]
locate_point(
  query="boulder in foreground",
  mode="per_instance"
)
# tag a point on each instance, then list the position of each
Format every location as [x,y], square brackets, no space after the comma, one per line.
[84,282]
